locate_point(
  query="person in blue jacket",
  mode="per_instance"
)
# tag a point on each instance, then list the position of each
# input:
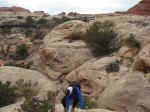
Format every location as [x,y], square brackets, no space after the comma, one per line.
[72,93]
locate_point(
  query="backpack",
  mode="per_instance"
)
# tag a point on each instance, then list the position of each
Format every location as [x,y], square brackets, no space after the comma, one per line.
[73,84]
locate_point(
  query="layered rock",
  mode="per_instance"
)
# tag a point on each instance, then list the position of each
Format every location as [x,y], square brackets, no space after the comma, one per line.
[64,49]
[13,11]
[142,8]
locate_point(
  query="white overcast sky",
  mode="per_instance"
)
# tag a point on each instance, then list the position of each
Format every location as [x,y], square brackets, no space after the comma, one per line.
[81,6]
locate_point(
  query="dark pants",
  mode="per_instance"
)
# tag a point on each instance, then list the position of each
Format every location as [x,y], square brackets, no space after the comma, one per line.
[74,101]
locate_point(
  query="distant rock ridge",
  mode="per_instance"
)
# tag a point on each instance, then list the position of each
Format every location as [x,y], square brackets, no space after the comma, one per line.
[142,8]
[13,9]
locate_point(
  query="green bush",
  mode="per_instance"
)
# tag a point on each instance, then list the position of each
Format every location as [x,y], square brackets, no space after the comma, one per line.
[99,37]
[89,103]
[20,17]
[21,52]
[5,30]
[21,65]
[42,21]
[26,89]
[28,32]
[7,94]
[30,20]
[39,35]
[113,67]
[34,104]
[132,42]
[65,19]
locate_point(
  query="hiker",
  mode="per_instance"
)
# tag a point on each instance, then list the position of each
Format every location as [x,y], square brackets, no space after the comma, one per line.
[72,93]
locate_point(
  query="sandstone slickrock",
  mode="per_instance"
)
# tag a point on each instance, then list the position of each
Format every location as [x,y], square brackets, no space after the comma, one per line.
[129,94]
[11,108]
[142,8]
[59,108]
[64,49]
[126,25]
[93,76]
[13,74]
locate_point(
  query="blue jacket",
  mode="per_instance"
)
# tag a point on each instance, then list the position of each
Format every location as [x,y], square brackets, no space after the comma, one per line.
[79,99]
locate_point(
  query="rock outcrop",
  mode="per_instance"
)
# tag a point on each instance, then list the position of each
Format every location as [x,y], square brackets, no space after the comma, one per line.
[14,74]
[64,49]
[93,75]
[59,108]
[129,94]
[142,62]
[142,8]
[13,9]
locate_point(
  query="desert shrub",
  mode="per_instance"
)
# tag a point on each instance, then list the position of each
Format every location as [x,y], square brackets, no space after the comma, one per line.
[28,32]
[26,89]
[42,21]
[30,20]
[99,37]
[34,104]
[132,42]
[89,103]
[7,94]
[21,65]
[39,35]
[65,19]
[113,67]
[60,20]
[20,17]
[21,51]
[5,30]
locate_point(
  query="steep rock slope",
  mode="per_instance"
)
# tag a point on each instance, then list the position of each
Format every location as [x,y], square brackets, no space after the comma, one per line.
[64,50]
[142,8]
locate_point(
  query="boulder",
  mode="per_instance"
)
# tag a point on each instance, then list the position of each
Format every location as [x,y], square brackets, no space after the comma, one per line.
[64,50]
[129,94]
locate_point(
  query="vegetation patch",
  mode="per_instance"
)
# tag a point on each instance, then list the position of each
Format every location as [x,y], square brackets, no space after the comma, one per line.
[132,42]
[21,52]
[30,20]
[39,35]
[99,37]
[34,104]
[113,67]
[6,30]
[7,94]
[26,89]
[21,65]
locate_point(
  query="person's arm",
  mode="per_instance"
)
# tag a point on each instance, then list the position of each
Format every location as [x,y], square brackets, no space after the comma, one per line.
[67,100]
[80,98]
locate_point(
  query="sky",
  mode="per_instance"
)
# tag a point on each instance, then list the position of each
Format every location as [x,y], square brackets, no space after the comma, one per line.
[80,6]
